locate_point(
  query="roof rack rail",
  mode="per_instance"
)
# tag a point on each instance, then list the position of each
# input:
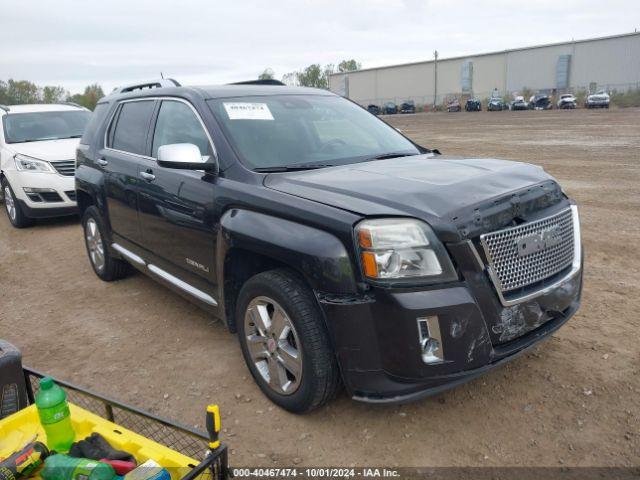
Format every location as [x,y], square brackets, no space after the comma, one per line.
[160,83]
[267,81]
[5,108]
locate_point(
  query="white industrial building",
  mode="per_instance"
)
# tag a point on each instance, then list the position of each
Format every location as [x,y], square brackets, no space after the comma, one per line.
[611,63]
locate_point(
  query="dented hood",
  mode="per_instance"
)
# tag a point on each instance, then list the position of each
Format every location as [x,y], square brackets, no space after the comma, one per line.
[457,196]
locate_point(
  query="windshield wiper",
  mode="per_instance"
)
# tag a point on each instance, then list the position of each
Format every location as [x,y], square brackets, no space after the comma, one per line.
[386,156]
[46,139]
[293,168]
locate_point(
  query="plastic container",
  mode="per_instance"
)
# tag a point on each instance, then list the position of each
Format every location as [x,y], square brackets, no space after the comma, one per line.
[13,392]
[19,428]
[23,462]
[149,470]
[55,418]
[64,467]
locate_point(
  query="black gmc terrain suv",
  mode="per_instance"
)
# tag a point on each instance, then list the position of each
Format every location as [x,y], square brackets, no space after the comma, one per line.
[341,252]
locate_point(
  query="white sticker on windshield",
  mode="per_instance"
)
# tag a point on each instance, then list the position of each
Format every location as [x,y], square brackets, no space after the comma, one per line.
[248,111]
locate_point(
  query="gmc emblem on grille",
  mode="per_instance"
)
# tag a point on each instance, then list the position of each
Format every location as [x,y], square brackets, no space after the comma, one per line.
[538,241]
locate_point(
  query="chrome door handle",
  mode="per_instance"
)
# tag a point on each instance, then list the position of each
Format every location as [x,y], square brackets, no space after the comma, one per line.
[149,177]
[102,162]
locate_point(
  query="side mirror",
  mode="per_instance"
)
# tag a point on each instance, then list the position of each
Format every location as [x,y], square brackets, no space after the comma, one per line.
[184,156]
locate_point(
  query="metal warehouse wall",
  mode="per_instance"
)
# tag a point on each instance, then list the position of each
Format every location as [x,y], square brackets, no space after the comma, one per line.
[611,63]
[534,68]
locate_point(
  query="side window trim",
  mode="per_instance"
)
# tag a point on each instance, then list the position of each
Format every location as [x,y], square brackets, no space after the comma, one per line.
[113,123]
[152,129]
[154,123]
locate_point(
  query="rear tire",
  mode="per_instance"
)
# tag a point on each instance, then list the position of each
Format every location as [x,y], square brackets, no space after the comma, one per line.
[285,342]
[105,266]
[13,208]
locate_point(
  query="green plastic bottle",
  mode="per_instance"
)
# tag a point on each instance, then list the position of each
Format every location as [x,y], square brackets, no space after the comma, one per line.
[64,467]
[53,410]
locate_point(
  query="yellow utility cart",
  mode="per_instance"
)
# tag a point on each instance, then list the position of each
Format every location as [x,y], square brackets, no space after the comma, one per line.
[185,452]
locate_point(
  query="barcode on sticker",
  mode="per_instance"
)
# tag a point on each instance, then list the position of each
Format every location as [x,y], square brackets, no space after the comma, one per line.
[248,111]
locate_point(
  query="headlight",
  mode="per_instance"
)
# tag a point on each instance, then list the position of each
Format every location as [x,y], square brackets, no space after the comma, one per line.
[400,248]
[29,164]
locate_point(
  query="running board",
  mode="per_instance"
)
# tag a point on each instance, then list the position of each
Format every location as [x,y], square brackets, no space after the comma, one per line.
[182,285]
[127,254]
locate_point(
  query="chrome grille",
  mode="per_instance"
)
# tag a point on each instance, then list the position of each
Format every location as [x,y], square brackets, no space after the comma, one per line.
[65,167]
[511,270]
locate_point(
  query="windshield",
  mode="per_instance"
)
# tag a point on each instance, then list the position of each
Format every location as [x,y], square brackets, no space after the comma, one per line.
[39,126]
[297,130]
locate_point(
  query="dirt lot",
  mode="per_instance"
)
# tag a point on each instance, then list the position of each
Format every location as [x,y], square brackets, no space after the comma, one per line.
[572,401]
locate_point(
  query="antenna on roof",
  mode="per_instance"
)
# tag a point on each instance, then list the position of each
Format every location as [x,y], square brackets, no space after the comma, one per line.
[4,107]
[161,76]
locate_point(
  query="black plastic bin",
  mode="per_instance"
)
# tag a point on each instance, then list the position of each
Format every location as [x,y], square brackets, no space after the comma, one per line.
[13,391]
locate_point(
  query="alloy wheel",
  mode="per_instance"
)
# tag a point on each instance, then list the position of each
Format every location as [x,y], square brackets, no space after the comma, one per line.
[273,345]
[94,244]
[10,203]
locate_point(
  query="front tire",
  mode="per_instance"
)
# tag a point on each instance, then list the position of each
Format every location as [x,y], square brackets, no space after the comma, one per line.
[105,266]
[285,342]
[13,209]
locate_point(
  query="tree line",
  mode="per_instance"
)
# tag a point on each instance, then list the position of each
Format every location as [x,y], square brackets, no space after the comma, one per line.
[14,92]
[315,75]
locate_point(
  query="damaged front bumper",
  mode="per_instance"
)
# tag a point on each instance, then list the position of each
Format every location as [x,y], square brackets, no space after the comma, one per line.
[377,336]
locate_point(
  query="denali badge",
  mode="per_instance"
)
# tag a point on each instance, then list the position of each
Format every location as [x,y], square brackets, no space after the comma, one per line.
[197,265]
[538,241]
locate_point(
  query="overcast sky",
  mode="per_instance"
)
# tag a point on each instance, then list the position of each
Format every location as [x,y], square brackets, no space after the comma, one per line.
[74,43]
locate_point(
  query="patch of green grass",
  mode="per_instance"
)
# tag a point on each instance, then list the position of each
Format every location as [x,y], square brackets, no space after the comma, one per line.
[581,96]
[630,98]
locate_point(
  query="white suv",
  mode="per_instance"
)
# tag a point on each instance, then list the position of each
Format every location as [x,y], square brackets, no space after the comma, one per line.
[37,160]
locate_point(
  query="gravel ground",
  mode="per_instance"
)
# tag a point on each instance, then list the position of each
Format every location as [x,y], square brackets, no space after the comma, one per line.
[571,401]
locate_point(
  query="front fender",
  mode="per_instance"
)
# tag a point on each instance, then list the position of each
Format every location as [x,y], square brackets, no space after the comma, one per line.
[316,254]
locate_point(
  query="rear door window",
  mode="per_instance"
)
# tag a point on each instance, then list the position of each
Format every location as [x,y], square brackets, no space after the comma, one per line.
[129,132]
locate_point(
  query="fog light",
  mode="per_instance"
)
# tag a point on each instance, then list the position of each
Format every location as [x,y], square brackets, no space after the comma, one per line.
[430,340]
[37,190]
